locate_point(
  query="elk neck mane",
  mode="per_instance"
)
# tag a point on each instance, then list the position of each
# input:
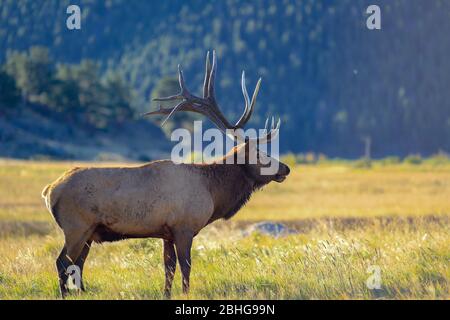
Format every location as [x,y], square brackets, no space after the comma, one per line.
[230,185]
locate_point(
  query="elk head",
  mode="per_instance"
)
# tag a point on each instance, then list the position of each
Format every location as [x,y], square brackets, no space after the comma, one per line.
[259,165]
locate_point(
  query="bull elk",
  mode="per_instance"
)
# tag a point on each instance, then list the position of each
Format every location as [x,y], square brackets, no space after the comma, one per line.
[160,199]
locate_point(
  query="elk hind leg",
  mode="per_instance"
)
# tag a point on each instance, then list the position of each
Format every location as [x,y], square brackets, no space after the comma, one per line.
[75,243]
[62,263]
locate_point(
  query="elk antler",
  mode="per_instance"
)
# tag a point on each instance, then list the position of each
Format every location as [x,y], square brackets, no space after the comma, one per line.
[208,105]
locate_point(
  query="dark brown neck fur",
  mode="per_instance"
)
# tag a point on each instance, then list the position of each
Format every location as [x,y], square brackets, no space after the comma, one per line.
[230,186]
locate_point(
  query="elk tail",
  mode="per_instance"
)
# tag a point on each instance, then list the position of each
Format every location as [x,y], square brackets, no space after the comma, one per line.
[45,195]
[45,191]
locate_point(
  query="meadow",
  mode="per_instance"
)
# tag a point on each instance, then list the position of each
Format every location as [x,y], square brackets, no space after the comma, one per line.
[347,219]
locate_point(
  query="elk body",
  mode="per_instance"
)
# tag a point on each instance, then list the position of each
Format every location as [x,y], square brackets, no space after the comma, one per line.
[160,199]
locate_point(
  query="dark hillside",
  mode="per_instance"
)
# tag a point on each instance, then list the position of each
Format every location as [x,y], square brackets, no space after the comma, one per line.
[333,82]
[36,134]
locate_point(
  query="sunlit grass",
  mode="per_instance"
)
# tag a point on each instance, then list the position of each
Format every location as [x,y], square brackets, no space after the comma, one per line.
[341,190]
[401,215]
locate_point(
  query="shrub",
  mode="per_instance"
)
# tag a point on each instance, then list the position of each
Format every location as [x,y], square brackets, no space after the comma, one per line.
[306,158]
[439,158]
[363,163]
[413,159]
[321,158]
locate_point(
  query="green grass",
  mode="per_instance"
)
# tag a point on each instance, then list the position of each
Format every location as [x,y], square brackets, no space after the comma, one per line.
[393,216]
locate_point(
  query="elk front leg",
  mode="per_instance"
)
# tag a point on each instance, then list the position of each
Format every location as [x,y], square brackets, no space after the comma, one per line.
[170,263]
[183,243]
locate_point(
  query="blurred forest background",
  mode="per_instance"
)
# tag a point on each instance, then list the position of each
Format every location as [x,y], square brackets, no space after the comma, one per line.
[78,94]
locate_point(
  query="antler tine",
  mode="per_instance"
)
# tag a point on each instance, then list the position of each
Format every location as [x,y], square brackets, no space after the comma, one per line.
[212,78]
[169,98]
[183,94]
[207,74]
[160,110]
[265,125]
[240,123]
[211,95]
[183,105]
[249,106]
[244,92]
[255,94]
[273,133]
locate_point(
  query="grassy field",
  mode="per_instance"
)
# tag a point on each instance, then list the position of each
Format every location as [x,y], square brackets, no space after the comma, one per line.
[395,217]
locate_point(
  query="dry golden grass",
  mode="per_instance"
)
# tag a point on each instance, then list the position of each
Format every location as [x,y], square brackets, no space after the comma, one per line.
[396,217]
[342,191]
